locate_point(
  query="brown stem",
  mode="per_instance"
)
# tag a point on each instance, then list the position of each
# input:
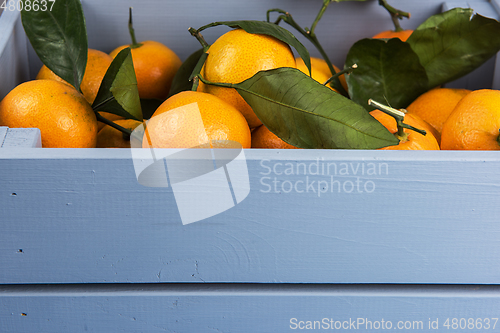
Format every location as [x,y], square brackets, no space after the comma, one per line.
[348,70]
[311,36]
[199,37]
[399,116]
[396,14]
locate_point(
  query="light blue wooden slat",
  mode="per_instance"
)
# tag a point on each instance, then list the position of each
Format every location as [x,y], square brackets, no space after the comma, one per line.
[7,25]
[447,5]
[74,216]
[485,8]
[14,63]
[253,308]
[3,133]
[21,138]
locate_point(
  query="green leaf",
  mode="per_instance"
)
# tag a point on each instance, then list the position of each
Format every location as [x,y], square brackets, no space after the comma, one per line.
[59,38]
[306,114]
[271,29]
[149,107]
[454,43]
[118,92]
[181,80]
[388,71]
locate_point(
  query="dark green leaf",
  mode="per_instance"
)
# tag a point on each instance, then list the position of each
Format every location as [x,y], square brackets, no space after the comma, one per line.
[149,107]
[307,114]
[59,38]
[388,71]
[118,92]
[271,29]
[181,80]
[452,44]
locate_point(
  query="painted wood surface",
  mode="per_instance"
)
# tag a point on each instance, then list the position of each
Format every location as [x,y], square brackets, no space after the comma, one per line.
[3,133]
[76,216]
[14,63]
[20,137]
[78,219]
[249,308]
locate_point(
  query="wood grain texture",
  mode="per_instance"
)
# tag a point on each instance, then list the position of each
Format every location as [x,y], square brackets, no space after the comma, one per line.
[245,308]
[81,216]
[3,133]
[116,256]
[20,138]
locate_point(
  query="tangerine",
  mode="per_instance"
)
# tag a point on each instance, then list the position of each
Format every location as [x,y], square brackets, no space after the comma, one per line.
[412,139]
[238,55]
[63,115]
[97,65]
[320,71]
[403,34]
[436,105]
[474,123]
[196,119]
[155,66]
[262,137]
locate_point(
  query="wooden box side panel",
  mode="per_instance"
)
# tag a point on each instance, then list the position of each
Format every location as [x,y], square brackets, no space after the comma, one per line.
[20,137]
[377,217]
[14,63]
[254,308]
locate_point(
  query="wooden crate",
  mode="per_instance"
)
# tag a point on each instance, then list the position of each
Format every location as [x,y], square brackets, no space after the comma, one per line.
[325,239]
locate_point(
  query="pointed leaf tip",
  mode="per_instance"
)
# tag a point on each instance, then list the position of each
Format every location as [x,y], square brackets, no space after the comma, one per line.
[118,92]
[59,38]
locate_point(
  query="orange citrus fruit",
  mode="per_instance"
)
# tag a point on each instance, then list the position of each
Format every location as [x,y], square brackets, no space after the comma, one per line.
[320,70]
[435,106]
[155,66]
[110,137]
[238,55]
[413,140]
[97,65]
[403,34]
[474,124]
[262,137]
[196,119]
[63,115]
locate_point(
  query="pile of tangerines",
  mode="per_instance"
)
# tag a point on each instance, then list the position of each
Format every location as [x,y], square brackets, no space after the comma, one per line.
[452,118]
